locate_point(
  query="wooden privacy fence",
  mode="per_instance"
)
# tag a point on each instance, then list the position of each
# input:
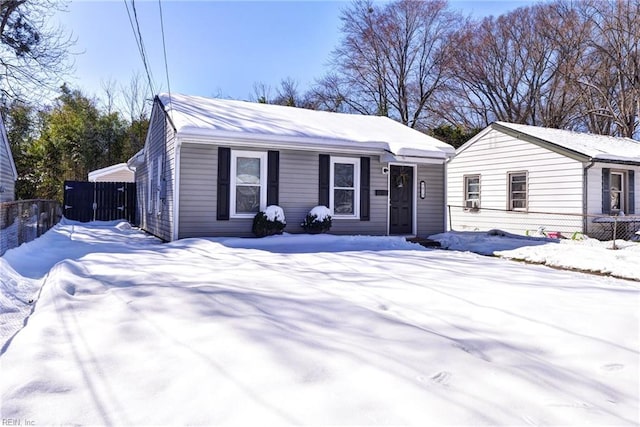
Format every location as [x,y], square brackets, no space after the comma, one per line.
[22,221]
[99,201]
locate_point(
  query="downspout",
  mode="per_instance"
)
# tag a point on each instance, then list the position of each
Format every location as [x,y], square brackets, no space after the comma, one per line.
[175,232]
[585,192]
[445,208]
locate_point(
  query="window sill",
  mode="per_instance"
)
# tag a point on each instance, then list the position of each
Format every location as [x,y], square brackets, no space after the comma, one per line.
[242,216]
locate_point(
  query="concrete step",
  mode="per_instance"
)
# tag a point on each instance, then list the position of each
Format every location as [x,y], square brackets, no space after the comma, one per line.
[423,241]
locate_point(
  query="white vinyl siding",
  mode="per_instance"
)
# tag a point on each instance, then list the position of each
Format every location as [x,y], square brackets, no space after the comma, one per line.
[554,184]
[248,183]
[156,218]
[7,178]
[344,184]
[298,194]
[431,210]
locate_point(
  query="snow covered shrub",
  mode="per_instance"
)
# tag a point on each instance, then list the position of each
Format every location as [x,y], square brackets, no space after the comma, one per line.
[269,222]
[318,220]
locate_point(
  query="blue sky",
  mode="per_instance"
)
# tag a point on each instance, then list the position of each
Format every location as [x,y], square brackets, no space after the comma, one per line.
[215,48]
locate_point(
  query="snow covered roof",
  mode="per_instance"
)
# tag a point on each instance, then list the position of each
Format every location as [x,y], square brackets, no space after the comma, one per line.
[119,172]
[136,160]
[596,147]
[275,124]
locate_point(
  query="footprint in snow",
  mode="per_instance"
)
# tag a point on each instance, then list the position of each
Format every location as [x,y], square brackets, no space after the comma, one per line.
[441,378]
[612,367]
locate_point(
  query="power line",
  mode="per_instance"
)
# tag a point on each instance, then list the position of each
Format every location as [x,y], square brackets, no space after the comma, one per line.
[137,34]
[164,49]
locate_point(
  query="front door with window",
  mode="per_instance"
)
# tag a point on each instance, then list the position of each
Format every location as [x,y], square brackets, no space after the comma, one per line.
[401,199]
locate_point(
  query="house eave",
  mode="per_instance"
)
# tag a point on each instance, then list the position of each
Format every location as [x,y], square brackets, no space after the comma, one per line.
[616,161]
[98,173]
[300,143]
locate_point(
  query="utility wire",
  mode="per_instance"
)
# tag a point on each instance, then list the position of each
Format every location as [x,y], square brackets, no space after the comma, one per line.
[137,34]
[164,49]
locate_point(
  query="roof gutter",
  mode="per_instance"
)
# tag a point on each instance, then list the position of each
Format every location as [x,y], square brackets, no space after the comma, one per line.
[300,143]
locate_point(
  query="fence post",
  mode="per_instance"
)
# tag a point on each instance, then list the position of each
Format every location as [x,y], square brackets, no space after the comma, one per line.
[615,227]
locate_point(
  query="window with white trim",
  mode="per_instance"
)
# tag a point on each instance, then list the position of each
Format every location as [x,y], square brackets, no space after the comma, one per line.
[344,182]
[472,191]
[150,170]
[248,183]
[518,191]
[617,191]
[158,187]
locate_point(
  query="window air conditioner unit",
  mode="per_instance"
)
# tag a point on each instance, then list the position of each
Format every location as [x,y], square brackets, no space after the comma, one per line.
[471,204]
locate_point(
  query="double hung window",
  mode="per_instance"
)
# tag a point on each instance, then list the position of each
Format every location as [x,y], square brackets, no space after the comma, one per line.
[472,191]
[248,183]
[617,192]
[344,197]
[517,191]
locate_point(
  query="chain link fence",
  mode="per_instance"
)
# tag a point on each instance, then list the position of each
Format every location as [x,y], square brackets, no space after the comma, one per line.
[24,220]
[549,224]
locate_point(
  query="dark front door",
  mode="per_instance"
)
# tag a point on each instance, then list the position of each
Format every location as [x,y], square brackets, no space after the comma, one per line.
[401,200]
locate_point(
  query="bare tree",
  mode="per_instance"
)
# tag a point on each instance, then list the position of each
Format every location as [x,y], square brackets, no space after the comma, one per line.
[109,92]
[328,95]
[610,79]
[137,107]
[33,54]
[287,94]
[391,60]
[261,93]
[517,68]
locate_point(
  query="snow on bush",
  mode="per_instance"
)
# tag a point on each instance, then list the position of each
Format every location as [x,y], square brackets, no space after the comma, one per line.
[275,213]
[318,220]
[269,222]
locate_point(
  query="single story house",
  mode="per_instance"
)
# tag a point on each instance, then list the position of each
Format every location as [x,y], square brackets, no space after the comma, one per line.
[8,173]
[518,178]
[115,173]
[209,165]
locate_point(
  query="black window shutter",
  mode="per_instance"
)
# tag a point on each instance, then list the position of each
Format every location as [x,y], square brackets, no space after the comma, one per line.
[364,188]
[606,190]
[323,187]
[273,177]
[631,185]
[224,183]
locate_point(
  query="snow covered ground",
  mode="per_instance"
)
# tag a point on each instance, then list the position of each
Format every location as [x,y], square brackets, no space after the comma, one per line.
[589,255]
[309,330]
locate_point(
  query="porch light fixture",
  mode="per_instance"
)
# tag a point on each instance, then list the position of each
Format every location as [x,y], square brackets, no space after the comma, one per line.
[423,189]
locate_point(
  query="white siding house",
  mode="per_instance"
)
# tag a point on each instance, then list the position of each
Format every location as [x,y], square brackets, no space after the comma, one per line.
[8,173]
[209,165]
[512,177]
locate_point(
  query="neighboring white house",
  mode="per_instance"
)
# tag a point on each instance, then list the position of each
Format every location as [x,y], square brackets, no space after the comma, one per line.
[115,173]
[8,173]
[508,173]
[209,165]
